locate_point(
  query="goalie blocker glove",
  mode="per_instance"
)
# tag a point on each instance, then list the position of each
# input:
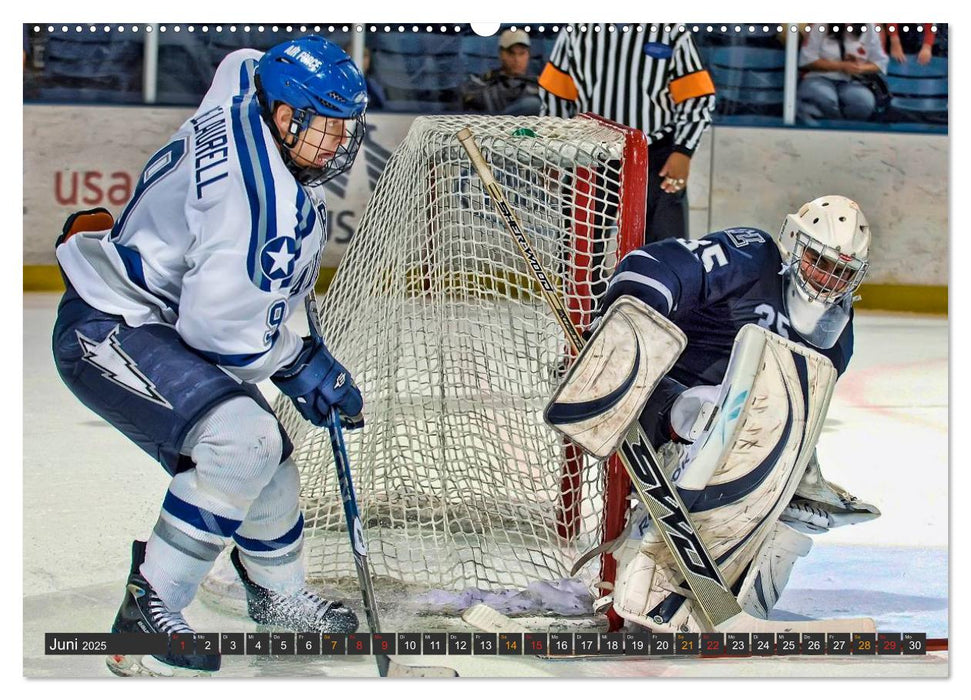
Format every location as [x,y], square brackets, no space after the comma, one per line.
[315,381]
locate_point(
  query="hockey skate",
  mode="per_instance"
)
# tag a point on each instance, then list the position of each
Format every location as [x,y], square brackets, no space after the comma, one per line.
[303,611]
[142,611]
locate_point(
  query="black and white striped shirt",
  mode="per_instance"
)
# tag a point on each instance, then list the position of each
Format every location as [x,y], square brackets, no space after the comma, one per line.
[646,76]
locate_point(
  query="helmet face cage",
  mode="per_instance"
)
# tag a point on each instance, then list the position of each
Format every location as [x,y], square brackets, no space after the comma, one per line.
[822,272]
[302,135]
[320,83]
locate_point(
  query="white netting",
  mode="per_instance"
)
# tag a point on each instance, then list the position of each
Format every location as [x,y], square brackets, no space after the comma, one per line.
[459,482]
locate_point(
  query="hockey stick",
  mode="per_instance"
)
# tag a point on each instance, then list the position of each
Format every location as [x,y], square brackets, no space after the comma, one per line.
[717,604]
[386,667]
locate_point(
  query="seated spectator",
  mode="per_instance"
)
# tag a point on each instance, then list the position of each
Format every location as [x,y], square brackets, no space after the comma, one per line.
[899,43]
[843,68]
[508,90]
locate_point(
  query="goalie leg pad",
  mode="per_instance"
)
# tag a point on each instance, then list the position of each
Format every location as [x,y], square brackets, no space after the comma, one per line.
[770,570]
[738,478]
[607,387]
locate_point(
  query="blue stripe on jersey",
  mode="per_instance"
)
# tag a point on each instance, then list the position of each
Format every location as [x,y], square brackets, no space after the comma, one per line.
[306,217]
[236,360]
[644,288]
[642,275]
[199,518]
[132,261]
[133,264]
[291,536]
[254,160]
[247,69]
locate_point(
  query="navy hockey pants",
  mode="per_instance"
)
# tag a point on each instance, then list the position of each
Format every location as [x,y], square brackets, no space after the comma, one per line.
[144,381]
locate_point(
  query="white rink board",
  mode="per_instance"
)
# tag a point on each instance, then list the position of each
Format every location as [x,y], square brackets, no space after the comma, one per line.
[900,180]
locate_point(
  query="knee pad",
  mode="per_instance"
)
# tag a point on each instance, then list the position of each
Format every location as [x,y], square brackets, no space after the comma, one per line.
[236,448]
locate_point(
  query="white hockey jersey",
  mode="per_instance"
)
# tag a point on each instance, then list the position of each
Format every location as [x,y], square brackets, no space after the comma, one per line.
[218,240]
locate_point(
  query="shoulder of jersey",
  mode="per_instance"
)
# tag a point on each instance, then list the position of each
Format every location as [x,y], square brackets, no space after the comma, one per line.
[744,236]
[743,242]
[233,59]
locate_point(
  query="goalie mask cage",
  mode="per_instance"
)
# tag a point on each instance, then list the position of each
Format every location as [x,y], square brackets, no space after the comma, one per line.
[460,483]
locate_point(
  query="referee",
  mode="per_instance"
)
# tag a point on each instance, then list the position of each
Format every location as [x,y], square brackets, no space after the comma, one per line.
[646,76]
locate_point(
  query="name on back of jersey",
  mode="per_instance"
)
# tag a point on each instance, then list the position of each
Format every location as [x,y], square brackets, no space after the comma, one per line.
[211,148]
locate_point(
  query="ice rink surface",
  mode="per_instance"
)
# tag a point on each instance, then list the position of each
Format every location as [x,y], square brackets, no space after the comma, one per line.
[87,492]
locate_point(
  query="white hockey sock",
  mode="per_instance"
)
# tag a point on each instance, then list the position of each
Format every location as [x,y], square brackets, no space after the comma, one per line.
[174,574]
[236,448]
[270,539]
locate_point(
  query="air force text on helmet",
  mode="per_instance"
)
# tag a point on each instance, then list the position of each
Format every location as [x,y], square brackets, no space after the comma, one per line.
[301,56]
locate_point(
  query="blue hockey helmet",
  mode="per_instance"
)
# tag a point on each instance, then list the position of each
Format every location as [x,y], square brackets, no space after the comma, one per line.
[315,77]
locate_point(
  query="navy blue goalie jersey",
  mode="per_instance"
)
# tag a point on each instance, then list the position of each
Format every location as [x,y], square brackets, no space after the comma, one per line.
[710,288]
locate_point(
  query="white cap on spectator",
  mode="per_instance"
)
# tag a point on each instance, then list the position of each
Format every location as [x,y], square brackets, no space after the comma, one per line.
[510,38]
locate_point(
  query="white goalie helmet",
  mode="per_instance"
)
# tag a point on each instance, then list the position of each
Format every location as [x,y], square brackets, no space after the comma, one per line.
[825,247]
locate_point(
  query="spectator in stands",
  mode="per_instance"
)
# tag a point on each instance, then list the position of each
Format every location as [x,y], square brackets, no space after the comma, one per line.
[510,89]
[900,42]
[843,68]
[940,41]
[650,77]
[376,97]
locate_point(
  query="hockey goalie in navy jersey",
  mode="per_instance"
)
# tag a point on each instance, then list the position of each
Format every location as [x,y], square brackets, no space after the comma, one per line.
[175,311]
[800,286]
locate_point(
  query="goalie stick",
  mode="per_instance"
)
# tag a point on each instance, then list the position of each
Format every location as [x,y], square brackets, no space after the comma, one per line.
[719,610]
[386,667]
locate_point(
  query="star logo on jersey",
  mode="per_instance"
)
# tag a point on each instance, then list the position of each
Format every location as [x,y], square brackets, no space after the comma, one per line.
[277,257]
[117,367]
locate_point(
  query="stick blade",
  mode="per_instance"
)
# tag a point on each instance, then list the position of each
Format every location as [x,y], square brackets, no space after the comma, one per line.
[396,670]
[743,622]
[488,619]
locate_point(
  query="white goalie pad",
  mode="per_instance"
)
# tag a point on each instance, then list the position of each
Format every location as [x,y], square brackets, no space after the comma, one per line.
[606,388]
[740,475]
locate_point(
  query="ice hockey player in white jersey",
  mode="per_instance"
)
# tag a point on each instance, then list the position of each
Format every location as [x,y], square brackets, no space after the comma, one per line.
[800,285]
[175,312]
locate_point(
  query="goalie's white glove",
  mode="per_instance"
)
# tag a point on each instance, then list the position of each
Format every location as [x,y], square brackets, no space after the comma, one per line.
[691,412]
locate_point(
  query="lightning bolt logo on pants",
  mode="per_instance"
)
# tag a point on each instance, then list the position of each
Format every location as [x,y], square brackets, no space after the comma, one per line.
[117,367]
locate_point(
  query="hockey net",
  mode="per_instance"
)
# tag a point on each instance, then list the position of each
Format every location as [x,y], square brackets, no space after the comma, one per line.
[460,484]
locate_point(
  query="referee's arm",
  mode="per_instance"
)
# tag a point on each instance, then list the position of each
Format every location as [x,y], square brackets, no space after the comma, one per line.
[693,95]
[557,91]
